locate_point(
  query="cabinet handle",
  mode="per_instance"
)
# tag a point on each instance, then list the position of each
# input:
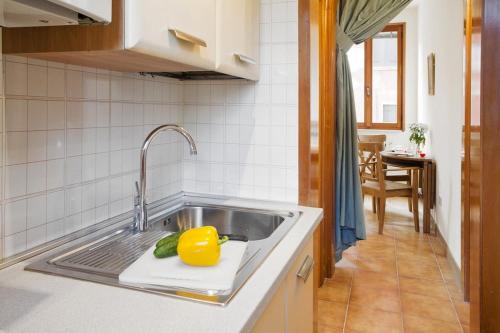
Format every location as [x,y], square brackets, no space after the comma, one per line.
[188,38]
[246,59]
[305,269]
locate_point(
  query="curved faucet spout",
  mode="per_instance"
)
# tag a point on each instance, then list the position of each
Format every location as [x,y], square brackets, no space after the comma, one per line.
[140,211]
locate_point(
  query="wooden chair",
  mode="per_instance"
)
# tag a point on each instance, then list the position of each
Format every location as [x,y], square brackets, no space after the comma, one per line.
[378,138]
[381,188]
[367,172]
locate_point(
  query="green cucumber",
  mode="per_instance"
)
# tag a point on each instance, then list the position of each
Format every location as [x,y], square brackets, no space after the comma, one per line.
[166,250]
[167,246]
[170,238]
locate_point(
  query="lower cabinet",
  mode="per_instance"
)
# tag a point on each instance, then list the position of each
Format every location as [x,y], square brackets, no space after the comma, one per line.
[291,308]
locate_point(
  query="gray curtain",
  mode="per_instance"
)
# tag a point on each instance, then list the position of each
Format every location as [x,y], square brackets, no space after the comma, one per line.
[357,21]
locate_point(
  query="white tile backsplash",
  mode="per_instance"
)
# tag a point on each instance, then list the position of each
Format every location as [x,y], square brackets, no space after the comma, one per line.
[36,211]
[16,115]
[72,135]
[247,132]
[15,180]
[37,80]
[56,82]
[37,115]
[71,161]
[16,78]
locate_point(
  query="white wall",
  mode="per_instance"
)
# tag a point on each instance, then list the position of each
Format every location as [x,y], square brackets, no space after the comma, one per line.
[410,16]
[441,31]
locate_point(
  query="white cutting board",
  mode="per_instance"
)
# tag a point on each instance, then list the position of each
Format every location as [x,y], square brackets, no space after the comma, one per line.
[172,272]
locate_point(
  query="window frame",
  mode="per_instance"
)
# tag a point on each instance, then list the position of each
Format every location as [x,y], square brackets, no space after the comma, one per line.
[400,28]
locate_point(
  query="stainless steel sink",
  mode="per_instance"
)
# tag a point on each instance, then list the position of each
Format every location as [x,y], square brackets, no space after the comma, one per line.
[255,225]
[103,258]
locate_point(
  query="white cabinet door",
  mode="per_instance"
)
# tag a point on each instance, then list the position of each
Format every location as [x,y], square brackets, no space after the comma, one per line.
[300,294]
[182,31]
[98,10]
[238,38]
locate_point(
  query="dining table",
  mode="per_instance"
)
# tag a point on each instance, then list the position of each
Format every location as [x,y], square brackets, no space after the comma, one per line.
[427,178]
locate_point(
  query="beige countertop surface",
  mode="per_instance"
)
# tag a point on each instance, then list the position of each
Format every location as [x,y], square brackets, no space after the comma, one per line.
[35,302]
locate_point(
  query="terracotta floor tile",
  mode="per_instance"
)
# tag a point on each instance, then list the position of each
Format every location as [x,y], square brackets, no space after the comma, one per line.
[427,325]
[413,246]
[325,329]
[428,307]
[353,250]
[331,314]
[440,253]
[410,237]
[383,253]
[380,265]
[343,273]
[365,258]
[374,279]
[379,297]
[438,247]
[447,270]
[362,319]
[335,291]
[408,234]
[427,258]
[419,269]
[376,298]
[449,275]
[435,239]
[456,292]
[424,287]
[387,239]
[372,242]
[348,260]
[463,311]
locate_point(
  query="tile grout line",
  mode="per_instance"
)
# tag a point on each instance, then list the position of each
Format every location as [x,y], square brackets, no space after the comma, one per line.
[446,285]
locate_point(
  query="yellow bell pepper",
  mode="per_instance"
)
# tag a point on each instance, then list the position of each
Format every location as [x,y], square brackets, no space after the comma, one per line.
[200,246]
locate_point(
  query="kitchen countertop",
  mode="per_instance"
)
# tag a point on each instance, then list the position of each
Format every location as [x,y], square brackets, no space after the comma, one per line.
[32,301]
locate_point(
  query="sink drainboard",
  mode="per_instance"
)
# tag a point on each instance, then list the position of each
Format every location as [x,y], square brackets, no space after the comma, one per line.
[109,255]
[103,258]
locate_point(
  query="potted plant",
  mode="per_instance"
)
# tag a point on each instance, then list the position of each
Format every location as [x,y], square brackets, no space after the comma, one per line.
[418,135]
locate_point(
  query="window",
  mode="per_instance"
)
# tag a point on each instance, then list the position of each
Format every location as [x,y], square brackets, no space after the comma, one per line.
[377,68]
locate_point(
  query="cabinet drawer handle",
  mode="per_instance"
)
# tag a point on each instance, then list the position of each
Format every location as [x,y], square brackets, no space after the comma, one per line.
[246,59]
[305,269]
[188,38]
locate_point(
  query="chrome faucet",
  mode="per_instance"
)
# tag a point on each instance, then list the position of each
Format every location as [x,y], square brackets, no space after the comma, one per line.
[140,205]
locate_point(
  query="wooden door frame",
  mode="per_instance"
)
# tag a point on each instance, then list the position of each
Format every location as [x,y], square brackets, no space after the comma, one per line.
[327,127]
[490,177]
[485,226]
[466,132]
[325,13]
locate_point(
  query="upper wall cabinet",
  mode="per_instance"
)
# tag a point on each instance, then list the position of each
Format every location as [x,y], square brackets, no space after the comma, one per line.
[238,38]
[181,31]
[154,36]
